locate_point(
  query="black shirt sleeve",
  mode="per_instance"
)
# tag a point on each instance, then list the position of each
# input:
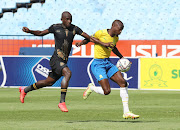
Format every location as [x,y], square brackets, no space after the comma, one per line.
[51,29]
[78,30]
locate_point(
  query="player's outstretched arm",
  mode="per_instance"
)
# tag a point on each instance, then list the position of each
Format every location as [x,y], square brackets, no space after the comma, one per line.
[85,41]
[97,41]
[116,51]
[36,33]
[86,36]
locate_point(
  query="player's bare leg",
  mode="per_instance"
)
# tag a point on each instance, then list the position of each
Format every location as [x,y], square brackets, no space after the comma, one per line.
[103,90]
[64,85]
[118,78]
[105,86]
[40,84]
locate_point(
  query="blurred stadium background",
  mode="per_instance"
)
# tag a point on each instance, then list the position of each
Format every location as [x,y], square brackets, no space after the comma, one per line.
[150,39]
[143,19]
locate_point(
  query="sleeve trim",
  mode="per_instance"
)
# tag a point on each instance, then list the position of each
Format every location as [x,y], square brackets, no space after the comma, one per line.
[82,33]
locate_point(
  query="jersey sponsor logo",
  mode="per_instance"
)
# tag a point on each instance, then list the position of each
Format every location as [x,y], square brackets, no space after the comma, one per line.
[41,69]
[58,31]
[62,63]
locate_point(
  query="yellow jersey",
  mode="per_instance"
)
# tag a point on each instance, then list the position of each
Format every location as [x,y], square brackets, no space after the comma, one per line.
[101,52]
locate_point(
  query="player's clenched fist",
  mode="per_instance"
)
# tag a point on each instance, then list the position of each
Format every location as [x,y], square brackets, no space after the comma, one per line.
[78,44]
[25,29]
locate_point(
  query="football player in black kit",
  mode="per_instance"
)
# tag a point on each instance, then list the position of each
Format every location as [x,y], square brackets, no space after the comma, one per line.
[64,34]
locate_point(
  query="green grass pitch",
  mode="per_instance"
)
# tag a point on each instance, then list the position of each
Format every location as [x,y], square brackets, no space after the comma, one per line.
[157,110]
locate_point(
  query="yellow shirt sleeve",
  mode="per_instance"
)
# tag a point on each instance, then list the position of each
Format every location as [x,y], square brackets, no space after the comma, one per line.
[97,34]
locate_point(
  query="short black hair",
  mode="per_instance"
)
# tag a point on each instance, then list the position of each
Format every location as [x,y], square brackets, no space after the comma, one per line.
[65,13]
[120,23]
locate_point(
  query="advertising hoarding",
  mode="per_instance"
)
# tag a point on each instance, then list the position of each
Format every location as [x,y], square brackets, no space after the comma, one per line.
[26,70]
[160,73]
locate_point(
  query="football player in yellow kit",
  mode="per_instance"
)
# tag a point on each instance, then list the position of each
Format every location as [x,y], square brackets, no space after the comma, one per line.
[103,69]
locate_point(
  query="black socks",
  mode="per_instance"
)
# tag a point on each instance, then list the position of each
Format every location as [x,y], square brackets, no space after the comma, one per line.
[63,94]
[30,88]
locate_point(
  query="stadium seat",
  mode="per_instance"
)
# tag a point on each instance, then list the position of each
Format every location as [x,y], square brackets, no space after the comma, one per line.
[141,22]
[9,4]
[36,6]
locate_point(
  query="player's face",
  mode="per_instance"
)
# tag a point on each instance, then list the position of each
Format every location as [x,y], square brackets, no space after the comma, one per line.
[66,20]
[117,30]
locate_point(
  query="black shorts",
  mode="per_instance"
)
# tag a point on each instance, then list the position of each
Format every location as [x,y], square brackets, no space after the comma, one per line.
[57,64]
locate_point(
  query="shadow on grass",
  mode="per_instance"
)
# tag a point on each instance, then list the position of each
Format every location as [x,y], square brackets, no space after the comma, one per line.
[130,121]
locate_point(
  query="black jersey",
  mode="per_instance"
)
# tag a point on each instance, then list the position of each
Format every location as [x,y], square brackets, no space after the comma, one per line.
[63,39]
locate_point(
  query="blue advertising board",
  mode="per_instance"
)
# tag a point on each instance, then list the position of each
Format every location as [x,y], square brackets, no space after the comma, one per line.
[26,70]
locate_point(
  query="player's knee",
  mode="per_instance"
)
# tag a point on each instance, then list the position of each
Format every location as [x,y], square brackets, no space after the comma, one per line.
[107,92]
[68,74]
